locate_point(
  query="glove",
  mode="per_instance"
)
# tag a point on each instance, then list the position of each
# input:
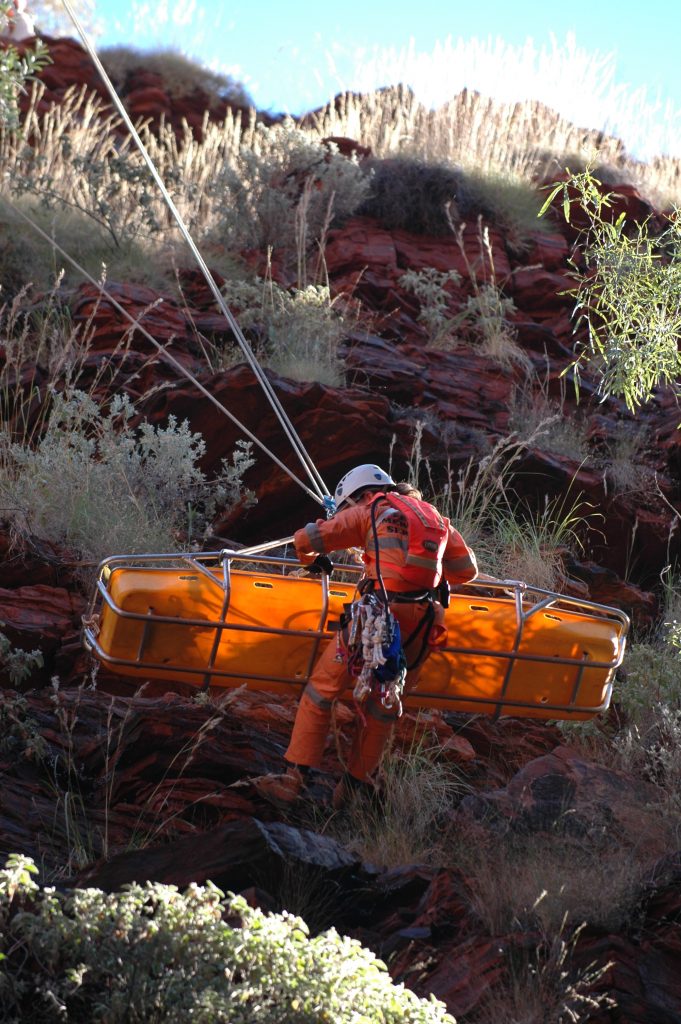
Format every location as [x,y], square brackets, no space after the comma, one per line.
[322,563]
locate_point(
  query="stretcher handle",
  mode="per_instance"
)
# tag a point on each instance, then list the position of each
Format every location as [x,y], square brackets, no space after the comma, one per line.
[257,549]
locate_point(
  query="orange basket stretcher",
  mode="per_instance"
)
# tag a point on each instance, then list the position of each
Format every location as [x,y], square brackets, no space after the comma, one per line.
[232,618]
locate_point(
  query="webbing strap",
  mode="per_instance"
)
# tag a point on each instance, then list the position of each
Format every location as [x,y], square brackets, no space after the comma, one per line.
[425,625]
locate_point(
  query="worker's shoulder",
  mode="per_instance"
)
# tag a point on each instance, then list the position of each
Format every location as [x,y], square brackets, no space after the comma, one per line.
[353,514]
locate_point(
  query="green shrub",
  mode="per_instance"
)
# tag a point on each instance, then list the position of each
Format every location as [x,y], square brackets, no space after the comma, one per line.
[295,332]
[412,195]
[15,71]
[484,318]
[422,197]
[99,484]
[628,295]
[18,664]
[151,953]
[429,287]
[180,75]
[282,188]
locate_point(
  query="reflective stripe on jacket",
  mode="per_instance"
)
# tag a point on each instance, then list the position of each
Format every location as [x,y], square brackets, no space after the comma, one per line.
[351,528]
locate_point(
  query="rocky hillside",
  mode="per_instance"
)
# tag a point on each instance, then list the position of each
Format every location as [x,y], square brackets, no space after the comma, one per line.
[101,786]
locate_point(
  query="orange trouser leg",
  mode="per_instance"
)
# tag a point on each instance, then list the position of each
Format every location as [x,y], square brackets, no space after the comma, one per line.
[328,680]
[373,733]
[370,739]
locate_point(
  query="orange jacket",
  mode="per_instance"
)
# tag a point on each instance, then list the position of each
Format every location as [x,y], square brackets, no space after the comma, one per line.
[351,528]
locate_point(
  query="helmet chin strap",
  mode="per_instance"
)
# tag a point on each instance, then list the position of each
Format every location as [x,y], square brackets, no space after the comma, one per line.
[353,501]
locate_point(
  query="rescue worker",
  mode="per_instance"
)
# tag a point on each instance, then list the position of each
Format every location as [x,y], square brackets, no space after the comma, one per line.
[418,611]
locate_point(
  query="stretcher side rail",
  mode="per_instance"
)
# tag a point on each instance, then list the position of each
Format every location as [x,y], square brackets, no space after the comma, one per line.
[216,568]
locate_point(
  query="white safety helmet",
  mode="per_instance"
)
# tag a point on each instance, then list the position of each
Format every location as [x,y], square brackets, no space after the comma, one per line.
[358,479]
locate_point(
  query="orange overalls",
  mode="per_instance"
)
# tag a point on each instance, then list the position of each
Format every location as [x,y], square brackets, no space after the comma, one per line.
[352,528]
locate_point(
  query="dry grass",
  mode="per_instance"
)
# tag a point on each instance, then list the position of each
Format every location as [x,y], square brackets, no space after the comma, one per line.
[518,140]
[485,317]
[537,412]
[417,789]
[491,152]
[624,460]
[512,539]
[544,986]
[470,131]
[530,543]
[541,880]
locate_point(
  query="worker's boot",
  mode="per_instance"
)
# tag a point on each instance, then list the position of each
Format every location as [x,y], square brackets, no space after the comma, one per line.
[282,788]
[347,788]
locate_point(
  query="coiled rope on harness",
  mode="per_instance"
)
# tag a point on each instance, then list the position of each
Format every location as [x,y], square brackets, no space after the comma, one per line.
[318,489]
[375,649]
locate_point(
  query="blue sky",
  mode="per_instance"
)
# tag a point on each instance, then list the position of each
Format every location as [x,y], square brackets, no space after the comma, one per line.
[295,55]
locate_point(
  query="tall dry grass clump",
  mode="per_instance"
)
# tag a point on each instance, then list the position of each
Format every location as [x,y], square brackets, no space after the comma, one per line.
[472,131]
[237,187]
[508,110]
[524,141]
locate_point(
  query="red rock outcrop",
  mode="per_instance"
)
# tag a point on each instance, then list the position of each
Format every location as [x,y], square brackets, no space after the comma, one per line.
[145,94]
[178,773]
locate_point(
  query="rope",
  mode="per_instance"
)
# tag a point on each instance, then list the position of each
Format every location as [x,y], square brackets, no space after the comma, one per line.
[171,358]
[307,463]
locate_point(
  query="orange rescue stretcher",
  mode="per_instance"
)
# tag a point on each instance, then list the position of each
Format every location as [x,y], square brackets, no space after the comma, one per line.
[232,618]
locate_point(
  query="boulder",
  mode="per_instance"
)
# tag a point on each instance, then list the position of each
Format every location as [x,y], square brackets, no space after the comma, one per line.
[564,793]
[233,857]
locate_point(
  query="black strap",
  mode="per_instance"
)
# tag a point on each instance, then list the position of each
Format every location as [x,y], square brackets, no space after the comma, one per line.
[427,620]
[379,578]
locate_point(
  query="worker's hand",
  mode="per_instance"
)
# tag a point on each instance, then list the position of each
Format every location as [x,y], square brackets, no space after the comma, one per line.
[322,563]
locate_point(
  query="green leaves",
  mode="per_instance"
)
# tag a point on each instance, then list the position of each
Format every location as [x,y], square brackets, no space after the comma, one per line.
[97,483]
[628,295]
[16,662]
[15,71]
[151,953]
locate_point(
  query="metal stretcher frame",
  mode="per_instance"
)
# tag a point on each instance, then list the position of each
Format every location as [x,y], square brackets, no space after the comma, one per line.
[216,567]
